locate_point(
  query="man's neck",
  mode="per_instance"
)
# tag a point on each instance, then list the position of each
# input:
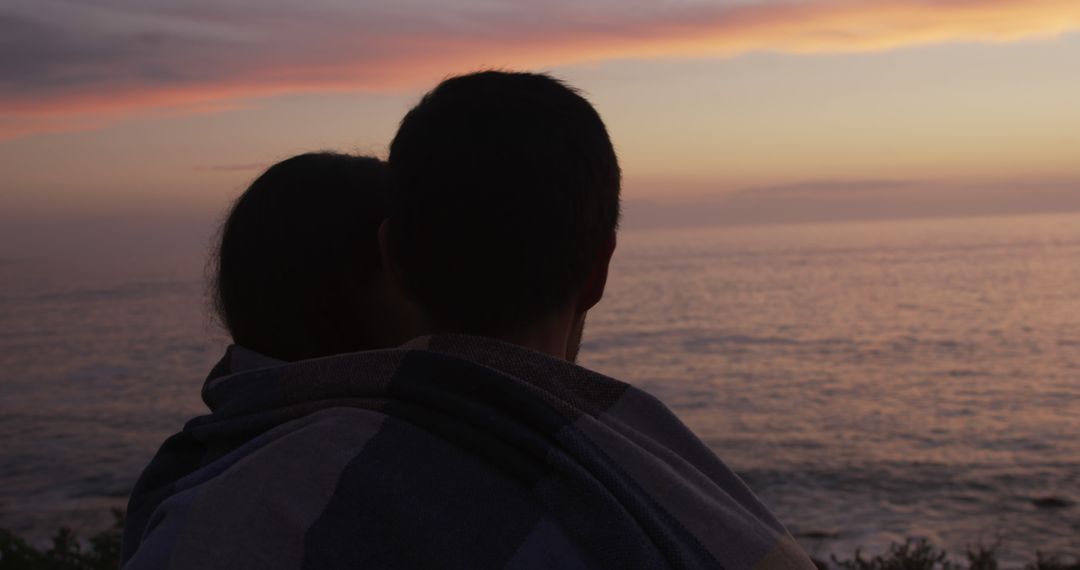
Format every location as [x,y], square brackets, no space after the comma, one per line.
[553,342]
[551,335]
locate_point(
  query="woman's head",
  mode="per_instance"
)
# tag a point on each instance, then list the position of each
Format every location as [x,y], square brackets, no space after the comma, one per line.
[297,273]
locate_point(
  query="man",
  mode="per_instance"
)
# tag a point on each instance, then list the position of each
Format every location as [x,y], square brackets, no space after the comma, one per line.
[505,203]
[479,445]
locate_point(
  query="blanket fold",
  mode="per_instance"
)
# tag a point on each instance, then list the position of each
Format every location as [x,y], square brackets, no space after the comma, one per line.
[450,452]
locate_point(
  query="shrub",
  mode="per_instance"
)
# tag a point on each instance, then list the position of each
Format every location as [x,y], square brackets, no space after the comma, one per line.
[66,552]
[919,554]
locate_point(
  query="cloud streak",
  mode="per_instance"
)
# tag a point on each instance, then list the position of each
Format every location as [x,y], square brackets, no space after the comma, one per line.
[237,167]
[847,200]
[66,64]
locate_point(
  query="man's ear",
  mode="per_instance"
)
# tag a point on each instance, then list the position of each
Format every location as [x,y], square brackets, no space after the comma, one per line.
[593,289]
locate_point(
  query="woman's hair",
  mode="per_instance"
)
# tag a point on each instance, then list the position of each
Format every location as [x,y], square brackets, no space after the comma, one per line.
[294,274]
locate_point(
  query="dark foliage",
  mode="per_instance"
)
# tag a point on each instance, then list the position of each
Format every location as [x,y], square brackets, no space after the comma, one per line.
[918,554]
[100,552]
[912,555]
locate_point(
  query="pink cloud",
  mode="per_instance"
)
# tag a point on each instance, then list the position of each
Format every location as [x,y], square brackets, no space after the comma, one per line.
[128,59]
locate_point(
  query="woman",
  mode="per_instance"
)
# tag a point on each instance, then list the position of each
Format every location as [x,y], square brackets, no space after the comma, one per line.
[296,275]
[297,271]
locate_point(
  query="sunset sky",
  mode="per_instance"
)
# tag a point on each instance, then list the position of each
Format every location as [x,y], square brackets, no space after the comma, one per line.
[725,110]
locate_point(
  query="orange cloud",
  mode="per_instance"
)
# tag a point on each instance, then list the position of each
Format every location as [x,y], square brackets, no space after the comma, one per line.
[402,58]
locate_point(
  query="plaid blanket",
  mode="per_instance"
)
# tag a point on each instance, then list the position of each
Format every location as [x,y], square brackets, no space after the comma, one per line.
[450,452]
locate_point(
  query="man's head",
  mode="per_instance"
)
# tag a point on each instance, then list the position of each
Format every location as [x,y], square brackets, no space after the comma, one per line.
[504,202]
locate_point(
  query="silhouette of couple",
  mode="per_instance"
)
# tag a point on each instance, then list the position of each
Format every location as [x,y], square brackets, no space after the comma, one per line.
[402,392]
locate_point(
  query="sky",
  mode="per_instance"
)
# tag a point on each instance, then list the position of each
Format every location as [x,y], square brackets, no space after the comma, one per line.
[722,111]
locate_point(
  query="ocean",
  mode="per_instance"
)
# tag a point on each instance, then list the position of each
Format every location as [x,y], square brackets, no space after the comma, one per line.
[871,381]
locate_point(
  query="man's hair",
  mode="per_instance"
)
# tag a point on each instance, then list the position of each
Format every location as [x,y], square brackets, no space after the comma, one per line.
[293,275]
[504,191]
